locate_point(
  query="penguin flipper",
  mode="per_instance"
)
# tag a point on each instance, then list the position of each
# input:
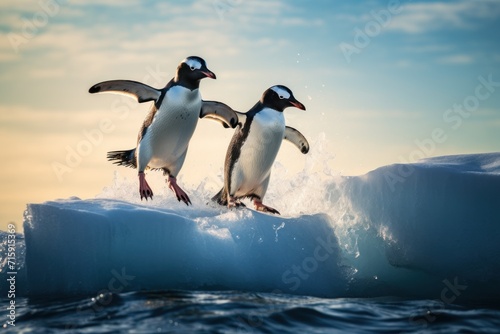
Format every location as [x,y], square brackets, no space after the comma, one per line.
[220,112]
[295,137]
[137,90]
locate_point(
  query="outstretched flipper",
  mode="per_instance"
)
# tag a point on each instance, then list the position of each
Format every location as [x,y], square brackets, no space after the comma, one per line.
[296,138]
[220,112]
[137,90]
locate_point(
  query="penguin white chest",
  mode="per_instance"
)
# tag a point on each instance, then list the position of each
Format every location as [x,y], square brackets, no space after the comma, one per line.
[173,126]
[260,149]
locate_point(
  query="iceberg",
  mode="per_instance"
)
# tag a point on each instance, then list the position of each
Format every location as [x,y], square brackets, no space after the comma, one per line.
[76,246]
[429,229]
[436,222]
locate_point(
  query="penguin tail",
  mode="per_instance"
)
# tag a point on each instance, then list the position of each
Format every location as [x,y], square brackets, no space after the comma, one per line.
[220,197]
[123,158]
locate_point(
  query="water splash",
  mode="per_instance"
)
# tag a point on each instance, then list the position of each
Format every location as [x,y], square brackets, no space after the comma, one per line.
[317,188]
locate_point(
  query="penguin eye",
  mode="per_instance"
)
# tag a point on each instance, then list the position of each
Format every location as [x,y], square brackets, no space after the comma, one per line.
[281,97]
[192,68]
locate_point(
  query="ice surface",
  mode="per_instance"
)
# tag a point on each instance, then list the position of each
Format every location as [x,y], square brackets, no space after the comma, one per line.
[439,218]
[79,246]
[429,229]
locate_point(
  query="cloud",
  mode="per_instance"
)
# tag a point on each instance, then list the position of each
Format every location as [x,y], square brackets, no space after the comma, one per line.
[45,73]
[458,59]
[110,3]
[301,22]
[429,48]
[19,5]
[70,43]
[381,115]
[404,63]
[6,54]
[257,7]
[422,17]
[27,120]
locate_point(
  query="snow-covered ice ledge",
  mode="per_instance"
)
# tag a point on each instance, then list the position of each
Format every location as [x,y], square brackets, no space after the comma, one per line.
[413,230]
[76,246]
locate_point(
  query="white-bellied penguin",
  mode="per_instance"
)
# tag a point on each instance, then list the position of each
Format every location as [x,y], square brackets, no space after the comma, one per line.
[254,146]
[165,134]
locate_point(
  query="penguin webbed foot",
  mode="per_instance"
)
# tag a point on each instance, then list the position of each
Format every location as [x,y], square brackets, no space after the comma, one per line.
[264,208]
[185,198]
[235,203]
[144,189]
[179,193]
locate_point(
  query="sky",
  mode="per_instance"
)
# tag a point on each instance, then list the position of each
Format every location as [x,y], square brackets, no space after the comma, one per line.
[383,82]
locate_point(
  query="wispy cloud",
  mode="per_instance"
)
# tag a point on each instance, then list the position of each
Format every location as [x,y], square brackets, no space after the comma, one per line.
[22,119]
[45,73]
[381,115]
[458,59]
[422,17]
[298,21]
[70,43]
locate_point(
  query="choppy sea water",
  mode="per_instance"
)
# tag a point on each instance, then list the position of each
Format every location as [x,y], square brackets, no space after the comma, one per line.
[241,312]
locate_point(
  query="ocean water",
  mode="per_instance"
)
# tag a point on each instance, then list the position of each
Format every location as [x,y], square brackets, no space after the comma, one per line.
[180,311]
[406,248]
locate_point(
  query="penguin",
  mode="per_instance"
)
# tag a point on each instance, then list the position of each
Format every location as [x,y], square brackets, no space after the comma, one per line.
[167,129]
[254,146]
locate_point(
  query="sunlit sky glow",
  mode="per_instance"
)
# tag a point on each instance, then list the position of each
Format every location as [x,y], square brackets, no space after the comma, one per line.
[384,81]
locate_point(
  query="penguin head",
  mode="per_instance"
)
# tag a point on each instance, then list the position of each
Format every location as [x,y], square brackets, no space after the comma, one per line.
[192,70]
[280,97]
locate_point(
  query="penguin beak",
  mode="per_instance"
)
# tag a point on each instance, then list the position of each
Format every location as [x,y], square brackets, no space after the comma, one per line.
[297,104]
[209,74]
